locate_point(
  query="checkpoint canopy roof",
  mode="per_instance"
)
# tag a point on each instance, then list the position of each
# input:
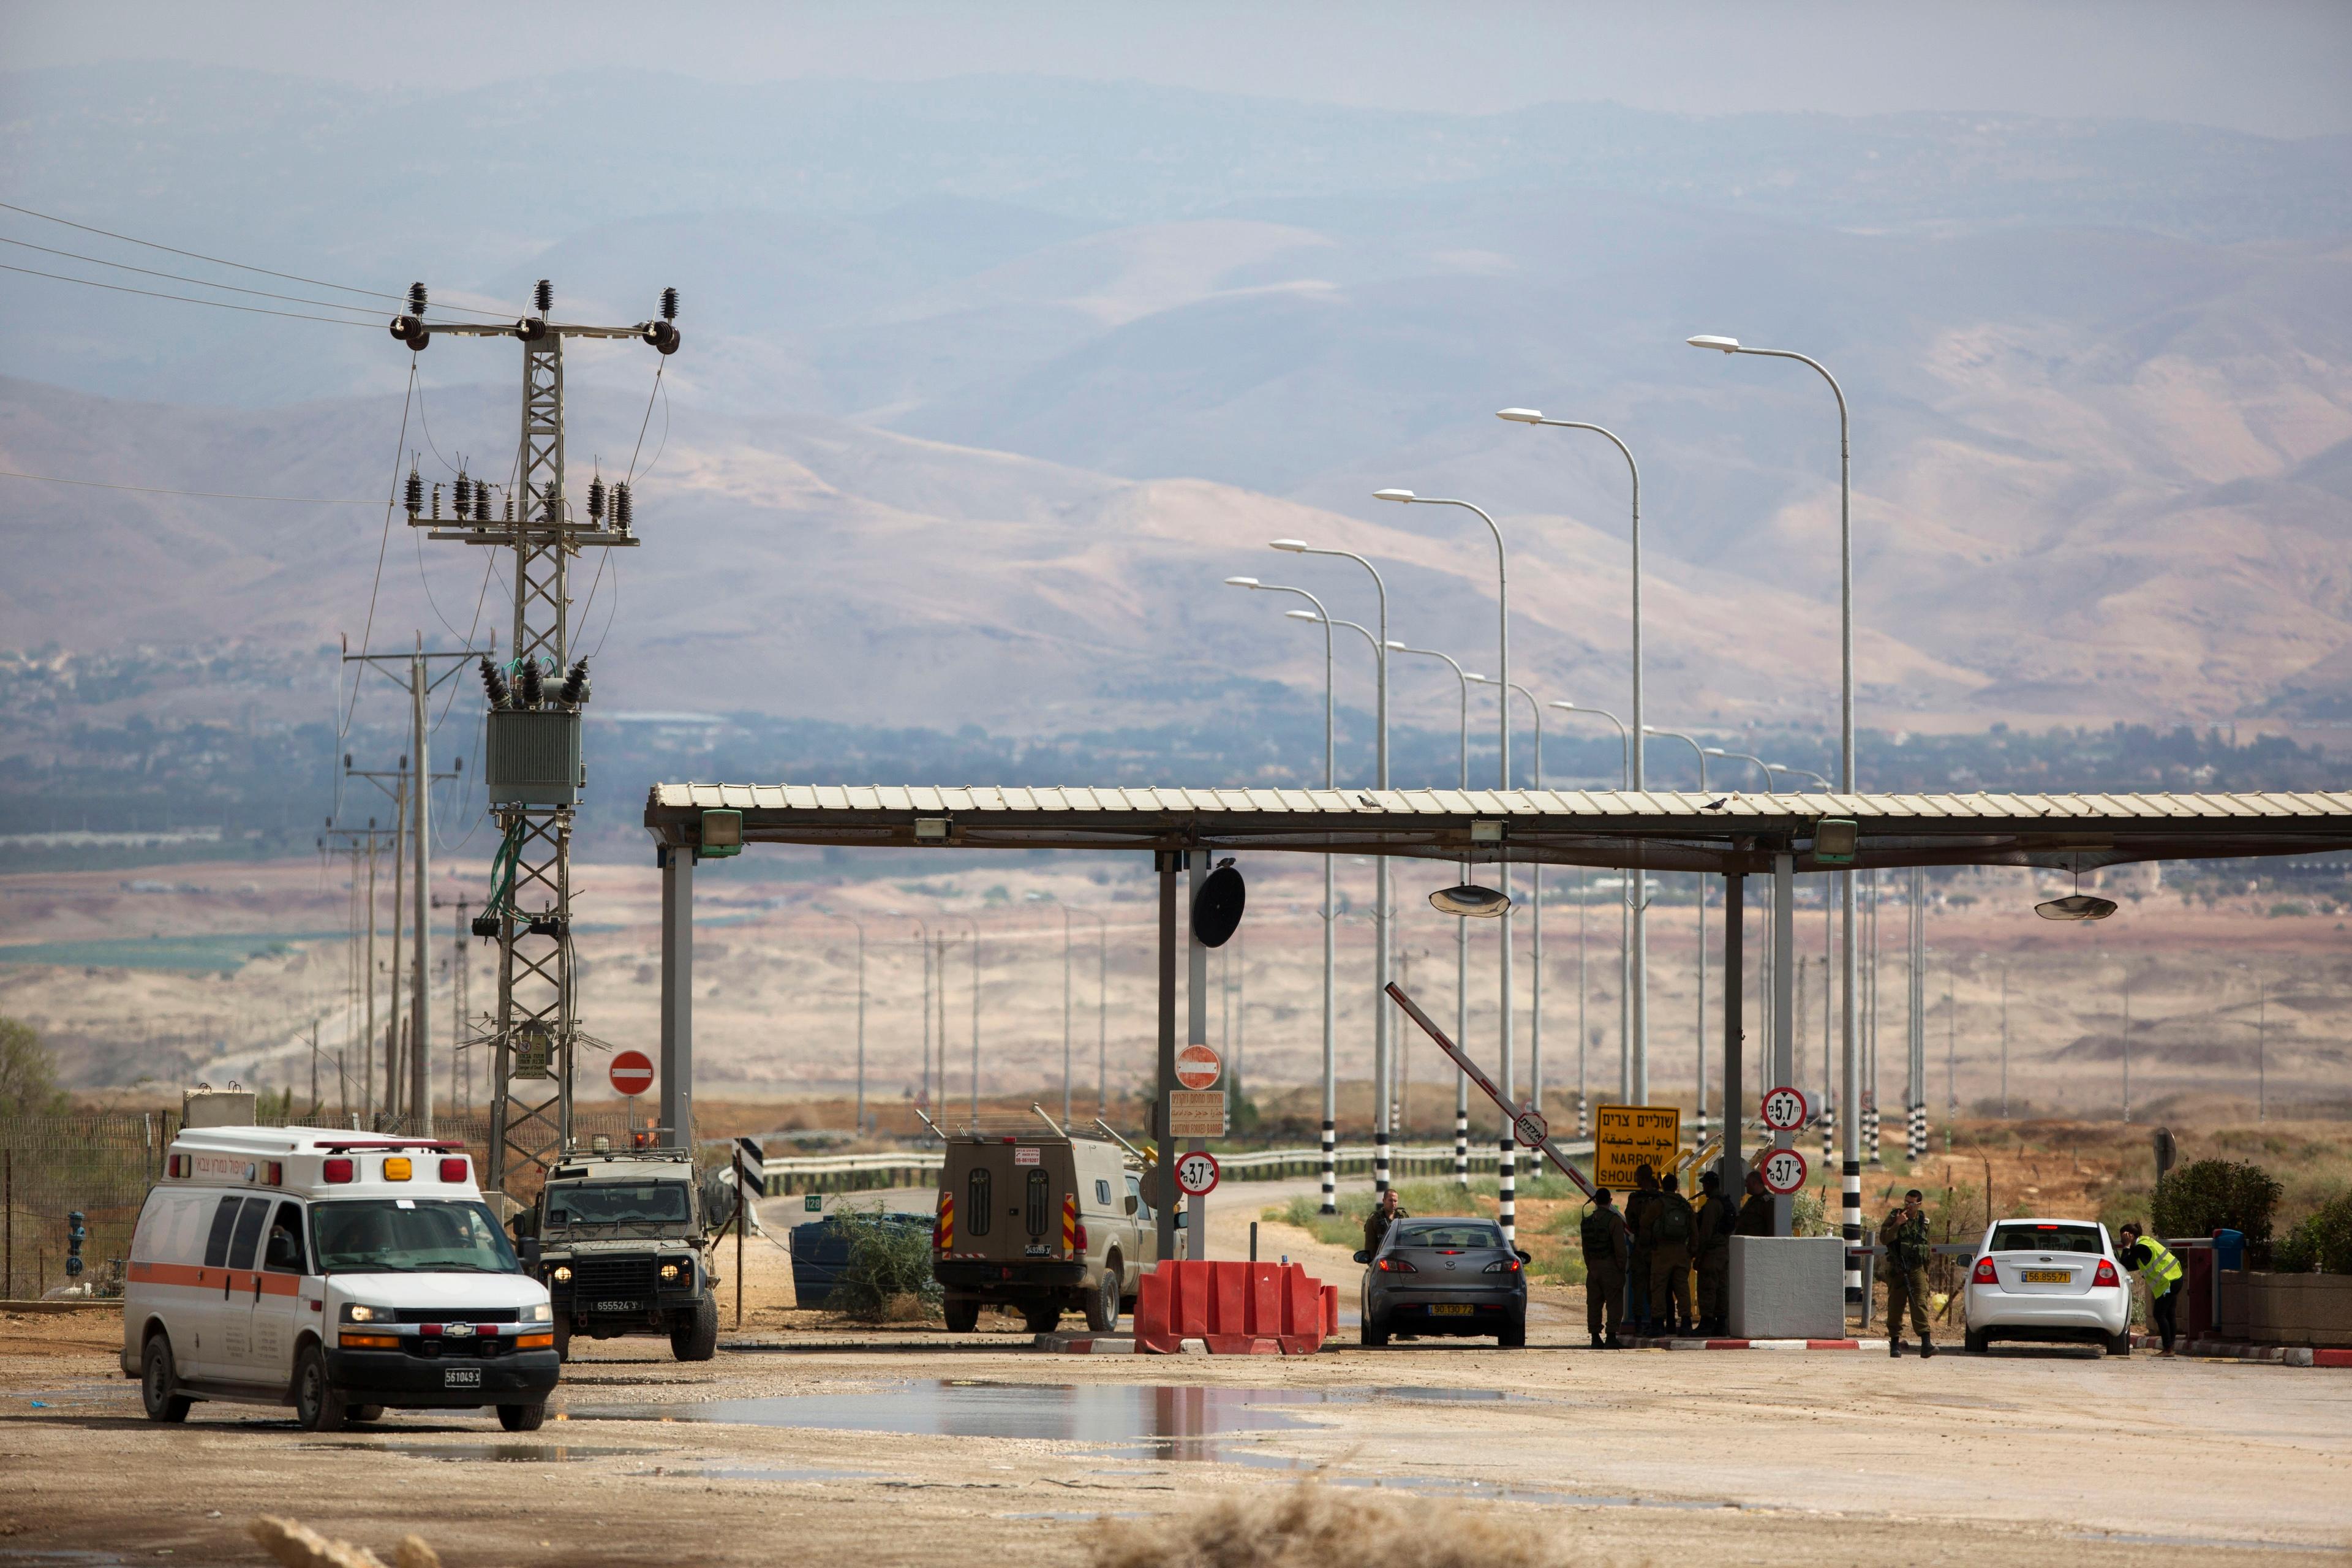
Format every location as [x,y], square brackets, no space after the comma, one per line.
[1651,829]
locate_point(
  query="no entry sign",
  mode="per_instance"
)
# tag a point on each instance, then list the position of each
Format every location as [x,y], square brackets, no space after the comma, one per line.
[1785,1109]
[1783,1171]
[632,1072]
[1196,1172]
[1198,1066]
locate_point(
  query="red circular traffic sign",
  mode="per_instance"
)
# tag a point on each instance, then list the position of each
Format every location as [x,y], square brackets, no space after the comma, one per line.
[1783,1171]
[1198,1066]
[1785,1109]
[1196,1172]
[632,1072]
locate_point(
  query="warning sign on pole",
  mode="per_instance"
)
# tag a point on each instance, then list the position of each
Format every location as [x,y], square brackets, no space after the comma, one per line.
[1196,1172]
[1196,1113]
[1627,1137]
[632,1072]
[1785,1109]
[1197,1067]
[1783,1171]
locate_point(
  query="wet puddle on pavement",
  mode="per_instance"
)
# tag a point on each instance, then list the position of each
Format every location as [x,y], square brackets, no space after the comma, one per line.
[1207,1423]
[492,1453]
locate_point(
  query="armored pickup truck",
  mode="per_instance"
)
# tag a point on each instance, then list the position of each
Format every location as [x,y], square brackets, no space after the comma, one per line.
[622,1246]
[1043,1225]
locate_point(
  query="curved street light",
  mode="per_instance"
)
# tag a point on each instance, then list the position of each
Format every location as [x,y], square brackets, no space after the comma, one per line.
[1507,1215]
[1330,944]
[1382,1030]
[1461,927]
[1850,1037]
[1635,897]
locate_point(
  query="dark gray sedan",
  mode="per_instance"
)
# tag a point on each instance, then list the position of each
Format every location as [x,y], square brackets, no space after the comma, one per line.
[1445,1276]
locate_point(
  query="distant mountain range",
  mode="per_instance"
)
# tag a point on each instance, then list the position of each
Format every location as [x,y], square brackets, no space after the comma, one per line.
[986,385]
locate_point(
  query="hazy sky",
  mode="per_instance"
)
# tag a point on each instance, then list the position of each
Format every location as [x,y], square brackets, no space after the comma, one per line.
[2274,67]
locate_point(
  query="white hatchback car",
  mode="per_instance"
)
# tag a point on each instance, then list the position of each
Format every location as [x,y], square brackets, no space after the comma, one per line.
[2048,1279]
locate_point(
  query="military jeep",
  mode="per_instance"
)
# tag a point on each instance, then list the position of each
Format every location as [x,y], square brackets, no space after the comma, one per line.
[622,1247]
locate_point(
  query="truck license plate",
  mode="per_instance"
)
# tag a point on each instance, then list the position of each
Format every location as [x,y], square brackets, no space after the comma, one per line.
[620,1306]
[462,1377]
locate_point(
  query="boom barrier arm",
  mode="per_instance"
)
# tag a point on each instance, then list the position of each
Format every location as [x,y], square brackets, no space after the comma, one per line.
[1516,1114]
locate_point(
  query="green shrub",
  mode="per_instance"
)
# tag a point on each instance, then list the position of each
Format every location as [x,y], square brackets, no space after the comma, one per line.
[2207,1195]
[1807,1215]
[2297,1252]
[2329,1229]
[888,1261]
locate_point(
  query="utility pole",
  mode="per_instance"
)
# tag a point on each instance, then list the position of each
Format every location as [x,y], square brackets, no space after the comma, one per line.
[533,774]
[355,839]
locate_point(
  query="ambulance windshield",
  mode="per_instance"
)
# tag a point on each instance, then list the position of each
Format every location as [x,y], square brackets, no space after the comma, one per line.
[410,1236]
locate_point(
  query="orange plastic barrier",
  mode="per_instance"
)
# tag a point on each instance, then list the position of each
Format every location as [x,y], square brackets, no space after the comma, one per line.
[1234,1308]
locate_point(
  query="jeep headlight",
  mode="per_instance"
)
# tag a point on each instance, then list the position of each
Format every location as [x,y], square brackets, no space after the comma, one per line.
[357,1312]
[670,1272]
[561,1274]
[539,1312]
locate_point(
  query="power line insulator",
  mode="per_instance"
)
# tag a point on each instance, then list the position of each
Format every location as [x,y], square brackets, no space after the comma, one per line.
[462,494]
[663,336]
[511,517]
[416,488]
[574,690]
[668,305]
[553,502]
[411,331]
[623,512]
[528,689]
[597,500]
[416,299]
[481,504]
[494,685]
[542,295]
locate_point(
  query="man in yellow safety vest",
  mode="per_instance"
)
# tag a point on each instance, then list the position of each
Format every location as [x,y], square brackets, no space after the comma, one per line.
[2160,1271]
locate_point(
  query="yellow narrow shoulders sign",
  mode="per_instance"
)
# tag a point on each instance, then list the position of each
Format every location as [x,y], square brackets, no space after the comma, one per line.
[1625,1137]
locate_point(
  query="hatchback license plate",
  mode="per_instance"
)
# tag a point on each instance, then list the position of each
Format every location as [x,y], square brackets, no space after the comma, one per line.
[2047,1275]
[462,1377]
[1451,1309]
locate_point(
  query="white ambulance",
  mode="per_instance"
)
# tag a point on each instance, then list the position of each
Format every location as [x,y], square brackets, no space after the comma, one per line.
[338,1272]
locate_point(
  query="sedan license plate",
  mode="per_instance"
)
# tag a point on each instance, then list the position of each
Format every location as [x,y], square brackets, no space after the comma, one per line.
[1451,1309]
[2046,1275]
[462,1377]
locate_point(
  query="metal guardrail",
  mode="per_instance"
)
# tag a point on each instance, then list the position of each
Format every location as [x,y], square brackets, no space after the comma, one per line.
[914,1167]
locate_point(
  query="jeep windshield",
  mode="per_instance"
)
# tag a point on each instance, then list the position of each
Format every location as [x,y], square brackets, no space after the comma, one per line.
[574,1204]
[409,1236]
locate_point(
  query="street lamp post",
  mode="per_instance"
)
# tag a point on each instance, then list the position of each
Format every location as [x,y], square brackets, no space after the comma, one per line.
[861,1023]
[1639,941]
[1381,1023]
[1102,1015]
[1331,908]
[1851,1040]
[1535,875]
[1506,1149]
[1066,1014]
[1461,929]
[975,1025]
[1636,887]
[1700,922]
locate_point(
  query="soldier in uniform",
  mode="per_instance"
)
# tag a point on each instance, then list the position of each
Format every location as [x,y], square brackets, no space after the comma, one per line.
[1904,1234]
[1606,1249]
[1637,1266]
[1714,1248]
[1377,1223]
[1756,1208]
[1670,1228]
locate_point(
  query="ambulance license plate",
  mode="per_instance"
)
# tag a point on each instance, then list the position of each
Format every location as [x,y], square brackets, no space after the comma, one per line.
[1451,1309]
[462,1377]
[2047,1275]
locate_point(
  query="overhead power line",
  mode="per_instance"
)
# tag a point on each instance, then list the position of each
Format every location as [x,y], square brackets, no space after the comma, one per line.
[371,311]
[190,298]
[223,261]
